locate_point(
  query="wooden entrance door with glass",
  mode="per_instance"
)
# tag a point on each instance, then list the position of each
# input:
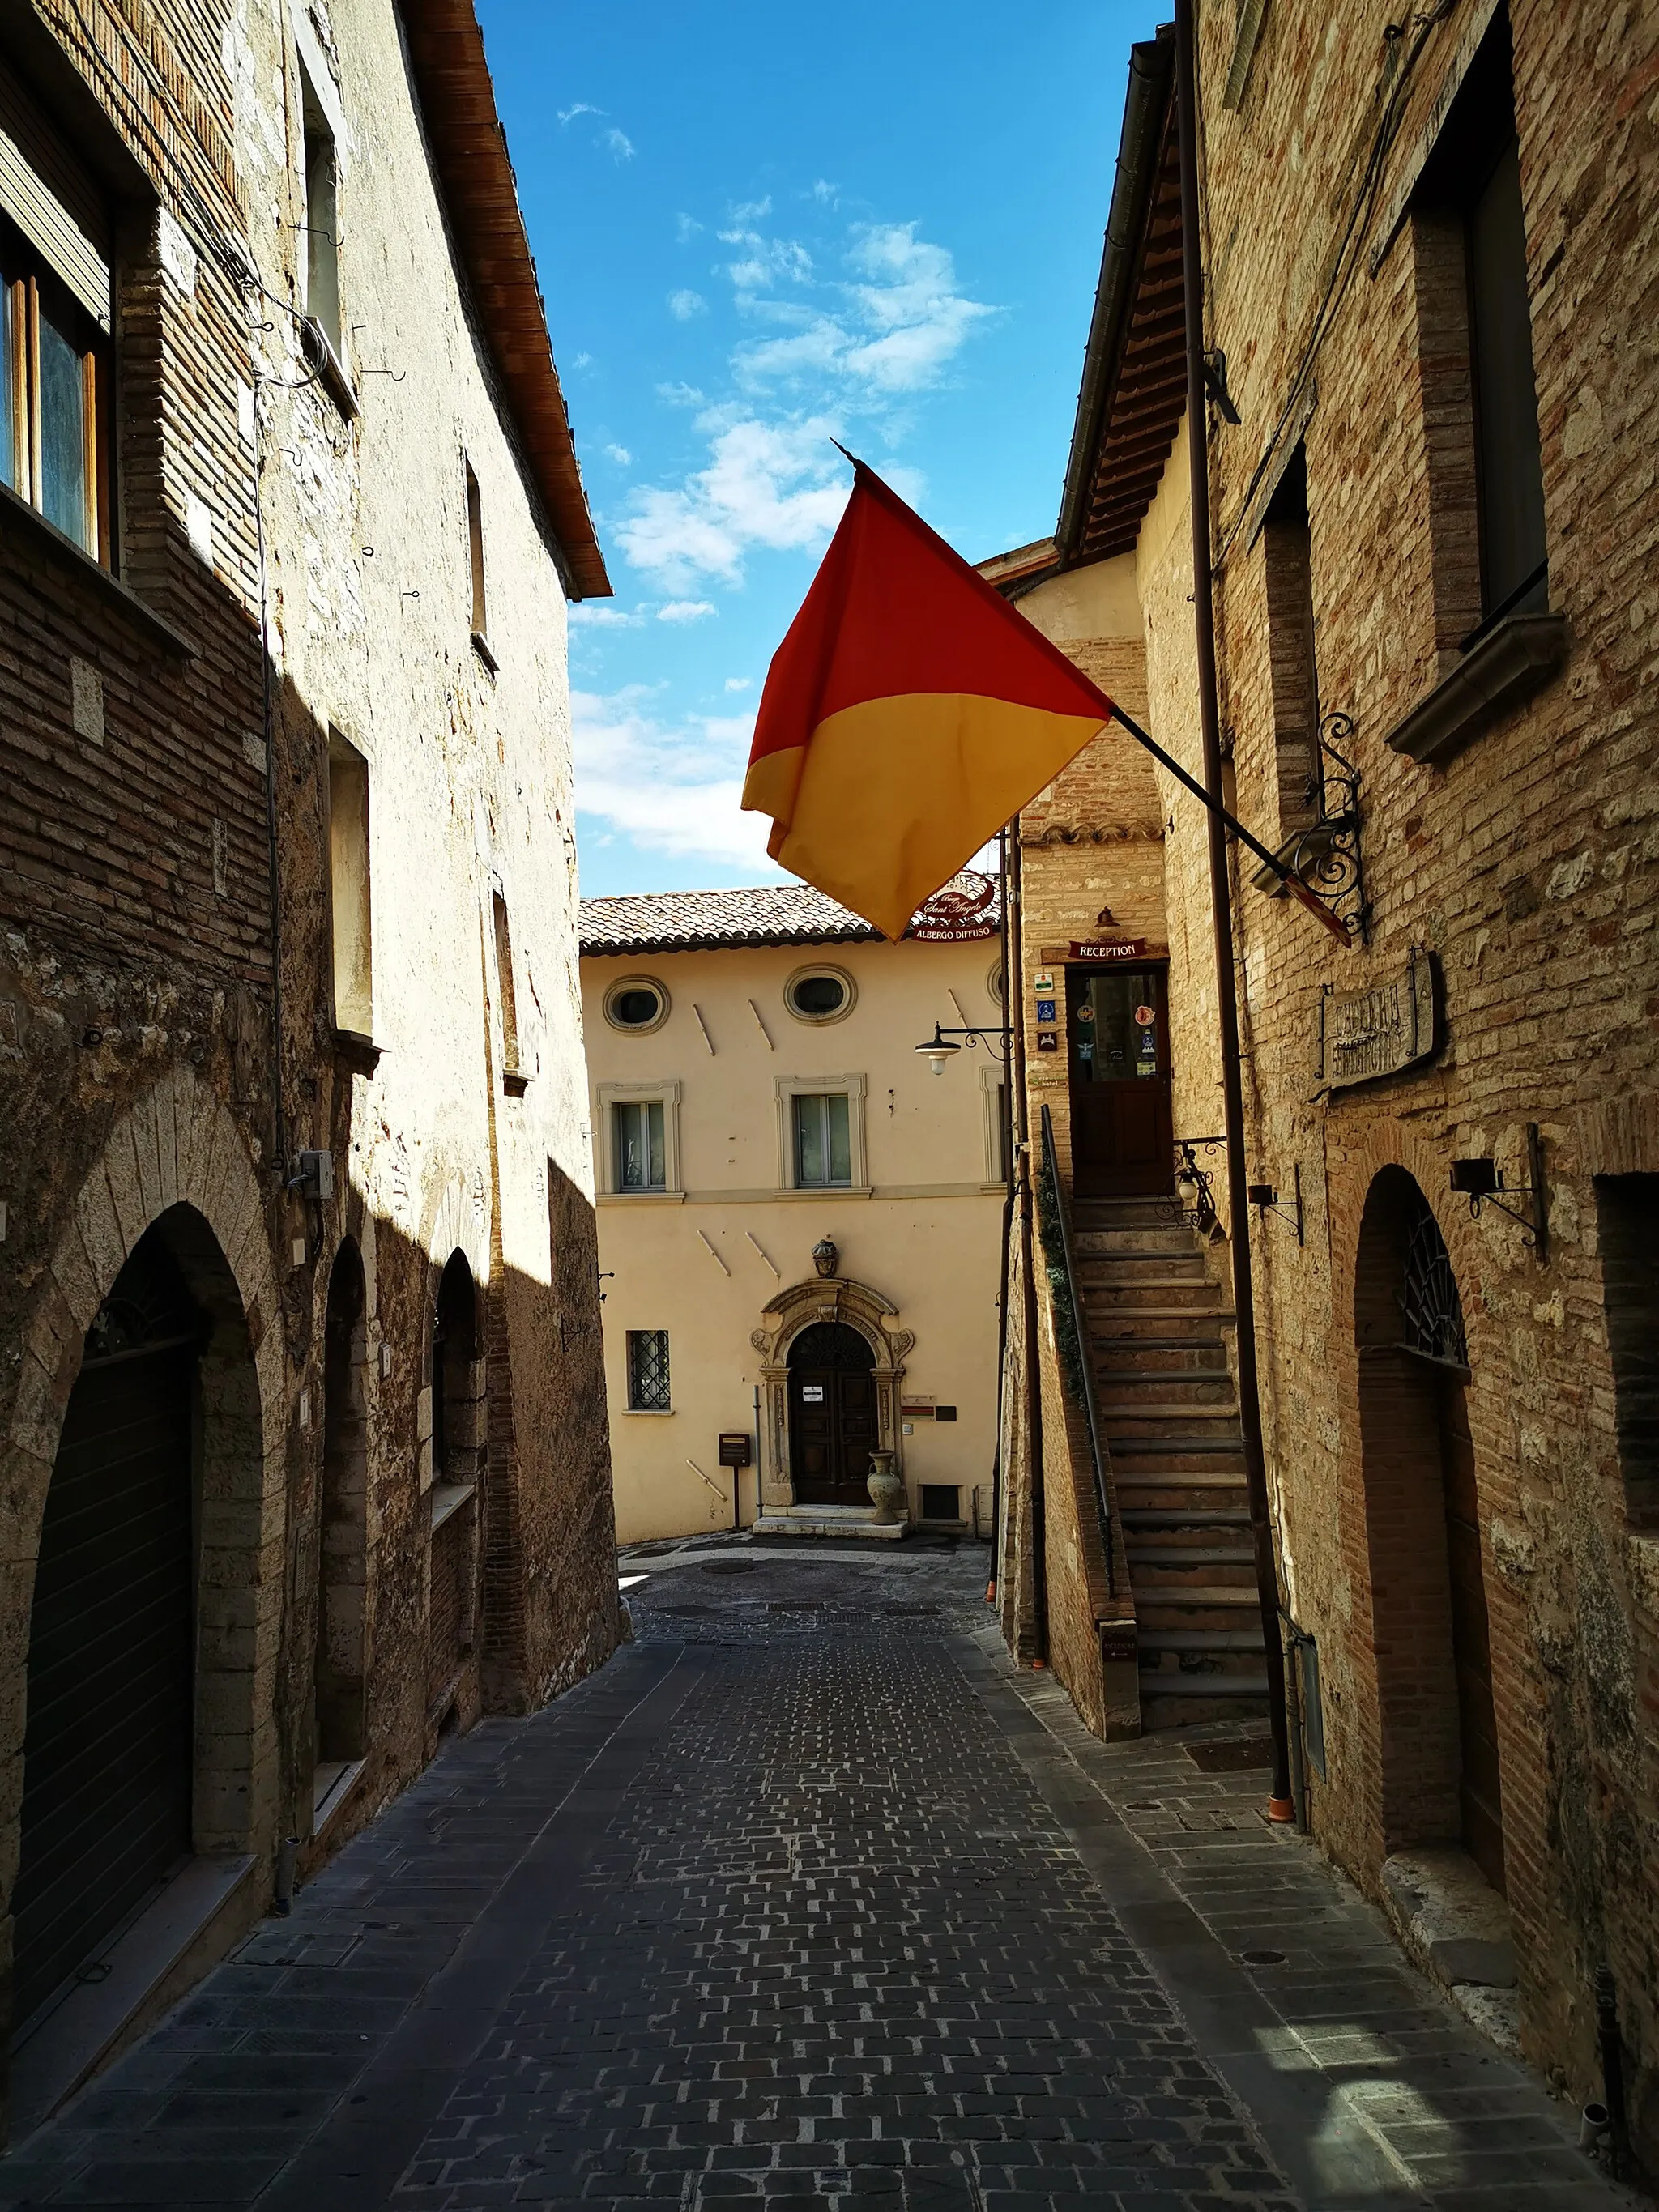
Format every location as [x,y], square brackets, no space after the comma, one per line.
[1118,1037]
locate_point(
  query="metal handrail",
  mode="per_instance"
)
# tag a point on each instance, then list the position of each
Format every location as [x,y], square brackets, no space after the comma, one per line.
[1080,1325]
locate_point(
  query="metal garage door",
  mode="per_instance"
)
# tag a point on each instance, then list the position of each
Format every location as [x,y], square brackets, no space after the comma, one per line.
[106,1755]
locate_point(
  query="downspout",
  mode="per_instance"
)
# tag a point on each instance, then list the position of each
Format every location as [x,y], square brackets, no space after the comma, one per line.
[1280,1806]
[1007,1134]
[1014,893]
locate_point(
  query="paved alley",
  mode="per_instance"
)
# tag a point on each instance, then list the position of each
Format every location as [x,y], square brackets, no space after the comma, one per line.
[808,1897]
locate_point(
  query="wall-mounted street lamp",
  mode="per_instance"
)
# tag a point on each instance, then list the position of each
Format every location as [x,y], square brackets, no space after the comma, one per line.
[1481,1181]
[1263,1196]
[939,1051]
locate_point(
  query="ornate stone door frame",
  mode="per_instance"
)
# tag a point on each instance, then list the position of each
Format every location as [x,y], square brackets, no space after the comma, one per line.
[783,1318]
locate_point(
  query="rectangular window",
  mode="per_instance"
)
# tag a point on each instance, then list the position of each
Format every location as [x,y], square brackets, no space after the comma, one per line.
[940,1501]
[824,1144]
[640,1148]
[1475,315]
[647,1371]
[321,217]
[1627,1225]
[53,395]
[476,556]
[349,913]
[1287,559]
[510,994]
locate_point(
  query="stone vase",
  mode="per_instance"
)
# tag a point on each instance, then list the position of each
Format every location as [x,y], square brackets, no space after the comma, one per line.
[886,1487]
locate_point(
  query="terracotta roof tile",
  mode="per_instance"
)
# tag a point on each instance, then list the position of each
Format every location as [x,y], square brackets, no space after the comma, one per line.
[767,913]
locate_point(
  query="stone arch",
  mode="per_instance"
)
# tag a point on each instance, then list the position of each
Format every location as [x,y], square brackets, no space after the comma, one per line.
[341,1665]
[177,1160]
[782,1319]
[1436,1738]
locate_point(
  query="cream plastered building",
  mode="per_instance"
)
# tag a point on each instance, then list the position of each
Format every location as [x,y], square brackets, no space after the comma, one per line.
[756,1098]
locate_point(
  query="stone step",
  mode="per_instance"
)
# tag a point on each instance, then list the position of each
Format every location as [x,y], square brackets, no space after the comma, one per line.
[1177,1396]
[1195,1605]
[1161,1668]
[1132,1242]
[1181,1517]
[1147,1374]
[1153,1295]
[1200,1639]
[1173,1495]
[1180,1702]
[1143,1318]
[1177,1449]
[1142,1265]
[1176,1425]
[1155,1567]
[1135,1359]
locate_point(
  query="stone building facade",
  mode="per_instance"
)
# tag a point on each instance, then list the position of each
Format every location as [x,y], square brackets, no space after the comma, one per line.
[306,1459]
[1425,250]
[800,1221]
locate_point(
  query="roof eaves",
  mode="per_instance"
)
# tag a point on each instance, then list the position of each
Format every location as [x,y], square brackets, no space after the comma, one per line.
[1146,119]
[475,176]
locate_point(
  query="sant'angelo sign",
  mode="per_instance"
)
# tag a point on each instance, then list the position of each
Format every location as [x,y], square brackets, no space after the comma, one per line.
[965,909]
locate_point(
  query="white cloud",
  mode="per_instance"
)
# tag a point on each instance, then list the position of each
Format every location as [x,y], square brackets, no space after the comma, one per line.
[619,455]
[685,229]
[582,108]
[619,143]
[825,193]
[686,610]
[752,210]
[766,261]
[740,683]
[684,304]
[582,360]
[672,789]
[778,485]
[603,614]
[680,395]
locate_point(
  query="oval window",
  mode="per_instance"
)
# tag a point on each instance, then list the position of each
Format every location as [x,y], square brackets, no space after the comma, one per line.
[636,1003]
[819,994]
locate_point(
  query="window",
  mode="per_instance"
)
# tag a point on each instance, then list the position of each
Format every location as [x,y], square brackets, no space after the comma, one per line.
[993,1099]
[1287,558]
[54,396]
[475,556]
[637,1004]
[823,1150]
[647,1371]
[1627,1218]
[349,913]
[510,1065]
[639,1145]
[941,1501]
[321,215]
[819,994]
[1469,240]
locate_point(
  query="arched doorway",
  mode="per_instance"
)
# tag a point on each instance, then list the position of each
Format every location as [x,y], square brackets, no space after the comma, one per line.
[458,1456]
[342,1529]
[108,1750]
[1440,1780]
[832,1414]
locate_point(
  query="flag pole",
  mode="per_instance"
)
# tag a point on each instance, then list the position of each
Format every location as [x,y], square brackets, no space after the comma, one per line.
[1280,1805]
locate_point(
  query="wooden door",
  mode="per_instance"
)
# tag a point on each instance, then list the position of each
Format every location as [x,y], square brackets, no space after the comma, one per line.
[1479,1794]
[1118,1040]
[107,1747]
[832,1415]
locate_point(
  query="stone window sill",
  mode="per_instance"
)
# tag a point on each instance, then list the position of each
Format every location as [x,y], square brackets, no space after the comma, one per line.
[649,1413]
[447,1498]
[641,1197]
[515,1082]
[45,536]
[1512,661]
[358,1052]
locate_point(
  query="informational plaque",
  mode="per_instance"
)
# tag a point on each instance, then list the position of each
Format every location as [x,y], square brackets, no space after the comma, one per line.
[1361,1034]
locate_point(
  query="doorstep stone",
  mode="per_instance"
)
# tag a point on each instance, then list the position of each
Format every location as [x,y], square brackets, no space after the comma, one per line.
[837,1521]
[1450,1917]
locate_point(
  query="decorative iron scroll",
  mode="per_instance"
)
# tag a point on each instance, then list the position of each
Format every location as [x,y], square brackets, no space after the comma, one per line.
[1193,1202]
[1327,855]
[1430,1311]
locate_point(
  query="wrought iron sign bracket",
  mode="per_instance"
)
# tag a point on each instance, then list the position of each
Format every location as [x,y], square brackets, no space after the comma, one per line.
[1327,855]
[1481,1180]
[1263,1196]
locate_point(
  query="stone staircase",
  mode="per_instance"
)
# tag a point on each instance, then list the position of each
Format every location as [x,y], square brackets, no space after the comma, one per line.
[1169,1411]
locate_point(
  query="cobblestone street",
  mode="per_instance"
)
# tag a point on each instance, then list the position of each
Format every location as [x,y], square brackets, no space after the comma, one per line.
[806,1897]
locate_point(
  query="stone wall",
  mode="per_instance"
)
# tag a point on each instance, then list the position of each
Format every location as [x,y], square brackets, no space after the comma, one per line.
[136,893]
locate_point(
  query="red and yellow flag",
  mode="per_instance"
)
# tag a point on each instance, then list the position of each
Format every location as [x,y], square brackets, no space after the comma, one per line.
[907,715]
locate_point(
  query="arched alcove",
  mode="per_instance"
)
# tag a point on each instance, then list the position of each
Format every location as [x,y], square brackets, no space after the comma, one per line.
[459,1432]
[341,1524]
[1438,1738]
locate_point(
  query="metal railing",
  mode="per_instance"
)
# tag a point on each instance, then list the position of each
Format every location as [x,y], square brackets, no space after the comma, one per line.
[1085,1379]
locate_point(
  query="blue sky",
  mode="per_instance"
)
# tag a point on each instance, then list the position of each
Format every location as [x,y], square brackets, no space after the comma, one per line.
[758,227]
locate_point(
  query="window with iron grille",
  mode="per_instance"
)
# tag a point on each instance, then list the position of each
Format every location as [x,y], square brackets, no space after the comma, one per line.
[823,1145]
[647,1371]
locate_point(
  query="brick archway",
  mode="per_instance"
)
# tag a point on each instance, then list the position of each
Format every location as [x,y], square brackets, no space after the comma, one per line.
[176,1159]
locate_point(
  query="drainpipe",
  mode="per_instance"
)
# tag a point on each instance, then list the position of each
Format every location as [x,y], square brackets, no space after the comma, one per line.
[1280,1805]
[1007,1136]
[1013,891]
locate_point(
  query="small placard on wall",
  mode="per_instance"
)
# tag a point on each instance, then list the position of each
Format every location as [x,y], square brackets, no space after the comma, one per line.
[812,1393]
[945,1413]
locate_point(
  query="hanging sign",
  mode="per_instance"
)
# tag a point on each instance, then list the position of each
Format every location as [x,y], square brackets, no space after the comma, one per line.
[1361,1034]
[965,909]
[1127,948]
